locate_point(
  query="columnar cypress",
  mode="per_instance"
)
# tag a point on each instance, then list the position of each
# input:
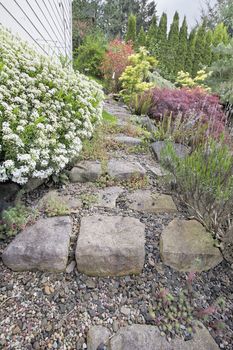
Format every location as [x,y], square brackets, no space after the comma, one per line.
[162,40]
[182,47]
[141,39]
[172,47]
[152,34]
[190,52]
[220,36]
[208,49]
[199,49]
[131,31]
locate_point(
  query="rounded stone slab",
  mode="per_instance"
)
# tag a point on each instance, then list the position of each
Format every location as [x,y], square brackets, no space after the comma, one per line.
[86,171]
[187,246]
[127,140]
[124,170]
[142,337]
[151,202]
[110,246]
[43,246]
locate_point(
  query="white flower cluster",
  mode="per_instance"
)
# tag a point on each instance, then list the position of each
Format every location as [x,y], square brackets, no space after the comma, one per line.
[45,112]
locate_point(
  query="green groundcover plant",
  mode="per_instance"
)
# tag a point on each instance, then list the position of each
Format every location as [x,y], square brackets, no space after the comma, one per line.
[45,112]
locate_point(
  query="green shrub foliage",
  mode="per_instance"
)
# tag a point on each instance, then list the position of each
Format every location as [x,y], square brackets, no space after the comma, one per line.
[204,181]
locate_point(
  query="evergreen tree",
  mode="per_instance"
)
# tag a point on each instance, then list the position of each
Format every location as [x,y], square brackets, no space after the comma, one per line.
[141,39]
[131,30]
[220,36]
[162,41]
[190,52]
[182,47]
[199,50]
[151,39]
[208,48]
[172,47]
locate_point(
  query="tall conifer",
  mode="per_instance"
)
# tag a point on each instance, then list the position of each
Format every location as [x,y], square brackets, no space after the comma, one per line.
[199,59]
[190,52]
[208,48]
[152,36]
[172,47]
[182,47]
[131,30]
[141,39]
[162,40]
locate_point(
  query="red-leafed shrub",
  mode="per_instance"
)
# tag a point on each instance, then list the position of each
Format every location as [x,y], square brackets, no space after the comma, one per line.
[188,102]
[115,61]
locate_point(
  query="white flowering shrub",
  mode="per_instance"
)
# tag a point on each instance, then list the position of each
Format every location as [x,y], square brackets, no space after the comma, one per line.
[45,112]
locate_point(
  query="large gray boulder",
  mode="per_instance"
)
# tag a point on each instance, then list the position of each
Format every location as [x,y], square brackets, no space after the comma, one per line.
[43,246]
[151,202]
[86,171]
[181,150]
[142,337]
[187,246]
[110,246]
[97,336]
[124,170]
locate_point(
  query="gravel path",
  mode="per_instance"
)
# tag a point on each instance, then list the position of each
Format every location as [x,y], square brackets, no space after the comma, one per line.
[54,311]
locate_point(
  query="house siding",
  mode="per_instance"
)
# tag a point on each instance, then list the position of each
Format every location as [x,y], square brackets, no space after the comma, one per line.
[45,24]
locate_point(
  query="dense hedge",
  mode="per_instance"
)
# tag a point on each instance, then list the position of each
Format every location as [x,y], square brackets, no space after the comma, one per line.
[45,112]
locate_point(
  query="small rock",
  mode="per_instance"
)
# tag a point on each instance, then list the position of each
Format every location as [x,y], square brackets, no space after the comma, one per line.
[125,311]
[70,267]
[16,330]
[47,290]
[127,140]
[86,171]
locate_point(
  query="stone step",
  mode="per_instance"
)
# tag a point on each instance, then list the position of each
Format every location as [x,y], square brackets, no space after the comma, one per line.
[110,246]
[185,245]
[127,140]
[150,202]
[181,150]
[43,246]
[146,337]
[117,169]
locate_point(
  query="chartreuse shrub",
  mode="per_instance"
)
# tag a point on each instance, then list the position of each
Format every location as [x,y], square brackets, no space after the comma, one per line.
[134,78]
[204,181]
[184,79]
[46,111]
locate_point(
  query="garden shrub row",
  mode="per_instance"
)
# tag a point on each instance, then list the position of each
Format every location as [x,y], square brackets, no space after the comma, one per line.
[46,111]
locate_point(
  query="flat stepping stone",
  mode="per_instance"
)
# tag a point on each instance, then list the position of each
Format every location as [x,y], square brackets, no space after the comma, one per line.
[143,337]
[150,202]
[124,170]
[187,246]
[181,150]
[107,197]
[110,246]
[72,203]
[43,246]
[158,171]
[127,140]
[86,171]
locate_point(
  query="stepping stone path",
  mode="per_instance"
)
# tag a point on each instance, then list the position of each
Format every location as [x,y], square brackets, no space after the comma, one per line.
[110,246]
[141,337]
[151,202]
[43,246]
[112,240]
[187,246]
[181,150]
